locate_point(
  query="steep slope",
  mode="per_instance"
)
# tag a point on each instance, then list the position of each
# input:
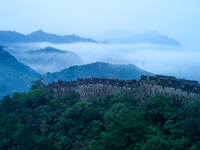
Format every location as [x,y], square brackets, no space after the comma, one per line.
[98,69]
[14,76]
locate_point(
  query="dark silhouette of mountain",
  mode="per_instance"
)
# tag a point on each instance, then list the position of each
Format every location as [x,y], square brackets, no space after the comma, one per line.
[98,69]
[127,37]
[10,37]
[14,76]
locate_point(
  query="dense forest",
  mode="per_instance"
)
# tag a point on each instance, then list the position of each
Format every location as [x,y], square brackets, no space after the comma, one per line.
[38,120]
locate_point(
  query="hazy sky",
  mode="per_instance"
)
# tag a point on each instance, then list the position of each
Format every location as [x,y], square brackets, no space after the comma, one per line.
[179,19]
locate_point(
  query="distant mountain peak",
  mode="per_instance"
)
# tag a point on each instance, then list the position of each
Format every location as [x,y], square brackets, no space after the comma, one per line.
[40,31]
[154,31]
[73,35]
[116,36]
[49,47]
[52,49]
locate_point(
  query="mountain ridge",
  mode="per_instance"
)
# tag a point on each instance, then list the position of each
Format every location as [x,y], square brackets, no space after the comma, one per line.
[99,70]
[115,36]
[12,37]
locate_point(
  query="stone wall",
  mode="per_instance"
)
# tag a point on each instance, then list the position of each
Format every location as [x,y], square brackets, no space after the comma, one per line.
[177,89]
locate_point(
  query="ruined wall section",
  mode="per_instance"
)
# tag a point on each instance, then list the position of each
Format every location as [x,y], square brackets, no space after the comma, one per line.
[176,89]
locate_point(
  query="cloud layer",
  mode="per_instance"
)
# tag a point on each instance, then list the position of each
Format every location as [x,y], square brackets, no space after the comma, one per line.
[157,59]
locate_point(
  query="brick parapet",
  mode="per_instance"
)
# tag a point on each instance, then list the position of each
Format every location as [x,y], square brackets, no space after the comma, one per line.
[179,89]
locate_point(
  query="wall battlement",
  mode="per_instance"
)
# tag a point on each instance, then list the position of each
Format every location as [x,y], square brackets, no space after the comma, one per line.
[178,89]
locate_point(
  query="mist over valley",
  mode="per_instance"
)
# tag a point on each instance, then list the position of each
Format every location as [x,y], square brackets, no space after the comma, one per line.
[149,50]
[46,60]
[158,59]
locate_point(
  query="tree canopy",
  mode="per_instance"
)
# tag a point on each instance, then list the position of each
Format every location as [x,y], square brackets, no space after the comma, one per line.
[39,120]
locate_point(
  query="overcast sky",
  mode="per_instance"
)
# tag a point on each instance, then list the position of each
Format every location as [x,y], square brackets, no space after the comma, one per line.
[179,19]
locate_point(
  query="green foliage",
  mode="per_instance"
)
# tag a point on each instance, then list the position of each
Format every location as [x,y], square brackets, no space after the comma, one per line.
[14,76]
[156,143]
[37,120]
[46,143]
[35,84]
[71,98]
[125,126]
[159,109]
[25,137]
[35,98]
[191,114]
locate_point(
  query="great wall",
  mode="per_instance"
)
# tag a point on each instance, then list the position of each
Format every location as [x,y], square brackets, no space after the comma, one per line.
[176,89]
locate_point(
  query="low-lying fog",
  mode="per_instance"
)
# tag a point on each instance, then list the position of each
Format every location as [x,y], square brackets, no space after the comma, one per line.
[174,61]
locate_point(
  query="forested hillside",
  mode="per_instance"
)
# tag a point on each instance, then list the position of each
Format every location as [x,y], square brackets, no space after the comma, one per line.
[39,120]
[14,76]
[98,69]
